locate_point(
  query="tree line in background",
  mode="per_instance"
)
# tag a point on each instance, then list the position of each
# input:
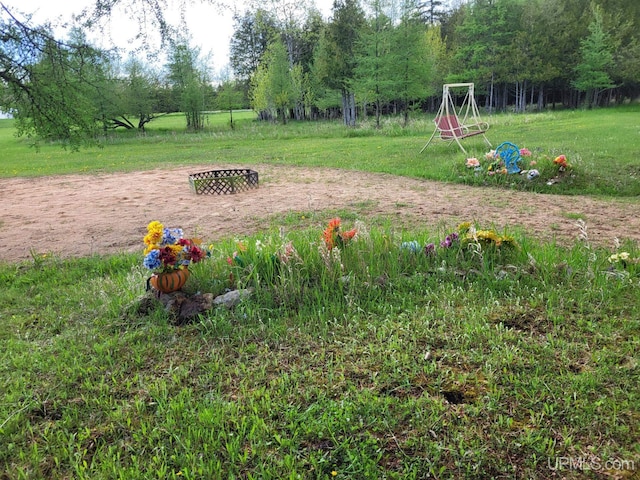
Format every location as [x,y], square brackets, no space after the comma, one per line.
[393,56]
[371,57]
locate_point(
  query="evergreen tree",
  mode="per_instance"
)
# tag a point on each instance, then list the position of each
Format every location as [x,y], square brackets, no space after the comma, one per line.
[592,73]
[251,36]
[412,62]
[431,11]
[373,70]
[335,61]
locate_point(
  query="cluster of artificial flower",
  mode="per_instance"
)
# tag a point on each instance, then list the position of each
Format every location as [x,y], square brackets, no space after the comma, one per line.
[624,259]
[496,165]
[167,250]
[466,234]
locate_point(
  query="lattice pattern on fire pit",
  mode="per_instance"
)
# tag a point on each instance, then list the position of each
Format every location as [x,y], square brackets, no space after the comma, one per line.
[221,182]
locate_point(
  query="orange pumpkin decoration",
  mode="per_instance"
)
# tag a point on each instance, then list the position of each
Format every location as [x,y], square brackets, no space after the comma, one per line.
[167,282]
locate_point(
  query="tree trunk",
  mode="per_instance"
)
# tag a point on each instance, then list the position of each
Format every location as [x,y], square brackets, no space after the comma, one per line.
[531,100]
[405,120]
[349,108]
[541,98]
[491,99]
[378,106]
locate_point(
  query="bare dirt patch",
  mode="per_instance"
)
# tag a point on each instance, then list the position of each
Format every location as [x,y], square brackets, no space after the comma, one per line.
[80,215]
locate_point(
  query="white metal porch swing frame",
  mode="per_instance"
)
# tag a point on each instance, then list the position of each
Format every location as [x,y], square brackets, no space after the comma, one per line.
[457,124]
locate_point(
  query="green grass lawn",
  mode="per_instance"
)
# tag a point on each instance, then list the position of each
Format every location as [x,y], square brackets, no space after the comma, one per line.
[601,145]
[491,356]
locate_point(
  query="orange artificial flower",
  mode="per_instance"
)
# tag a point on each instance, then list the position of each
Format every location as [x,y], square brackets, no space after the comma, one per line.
[348,235]
[330,233]
[561,161]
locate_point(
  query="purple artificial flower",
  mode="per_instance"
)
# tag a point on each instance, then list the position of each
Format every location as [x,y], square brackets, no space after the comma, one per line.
[430,249]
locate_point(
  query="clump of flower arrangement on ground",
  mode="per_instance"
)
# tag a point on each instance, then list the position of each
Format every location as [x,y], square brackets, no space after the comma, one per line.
[533,168]
[167,250]
[354,256]
[289,269]
[622,263]
[358,252]
[468,247]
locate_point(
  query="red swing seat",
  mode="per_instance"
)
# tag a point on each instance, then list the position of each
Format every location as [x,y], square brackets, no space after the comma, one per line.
[450,129]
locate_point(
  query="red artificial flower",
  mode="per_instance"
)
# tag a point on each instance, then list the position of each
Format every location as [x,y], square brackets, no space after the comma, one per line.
[167,256]
[348,235]
[196,253]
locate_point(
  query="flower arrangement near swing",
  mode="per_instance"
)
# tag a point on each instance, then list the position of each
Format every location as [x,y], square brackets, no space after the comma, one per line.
[168,254]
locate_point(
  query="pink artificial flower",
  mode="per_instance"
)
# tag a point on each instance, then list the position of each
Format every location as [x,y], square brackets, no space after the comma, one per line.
[525,152]
[472,162]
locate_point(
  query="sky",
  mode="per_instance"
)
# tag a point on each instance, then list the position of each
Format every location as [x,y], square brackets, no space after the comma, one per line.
[211,29]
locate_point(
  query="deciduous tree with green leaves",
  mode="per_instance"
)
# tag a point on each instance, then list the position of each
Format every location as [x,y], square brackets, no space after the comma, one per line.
[50,85]
[189,81]
[272,87]
[138,100]
[229,96]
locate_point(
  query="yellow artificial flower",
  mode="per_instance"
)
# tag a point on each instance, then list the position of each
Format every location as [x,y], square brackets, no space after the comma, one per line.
[510,240]
[464,227]
[619,257]
[155,226]
[487,235]
[151,239]
[154,233]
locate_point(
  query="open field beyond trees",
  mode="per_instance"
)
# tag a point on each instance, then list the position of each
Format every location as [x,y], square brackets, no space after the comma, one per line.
[507,349]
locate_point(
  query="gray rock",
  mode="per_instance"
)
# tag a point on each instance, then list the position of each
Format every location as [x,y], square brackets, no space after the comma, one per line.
[185,308]
[232,298]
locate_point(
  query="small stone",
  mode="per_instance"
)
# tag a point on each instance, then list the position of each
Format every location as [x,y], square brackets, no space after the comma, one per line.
[194,306]
[185,308]
[232,298]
